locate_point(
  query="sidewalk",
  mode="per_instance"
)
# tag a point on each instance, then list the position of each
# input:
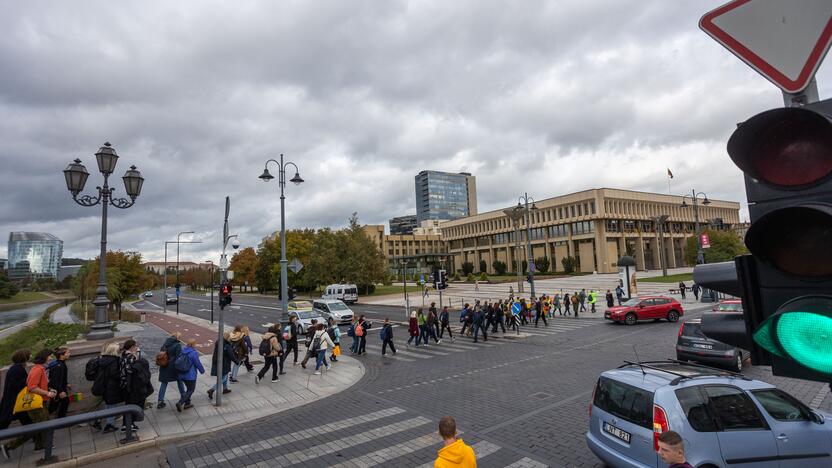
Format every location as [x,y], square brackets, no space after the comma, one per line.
[246,402]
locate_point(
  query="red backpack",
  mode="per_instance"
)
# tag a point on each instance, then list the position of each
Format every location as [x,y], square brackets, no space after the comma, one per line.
[359,329]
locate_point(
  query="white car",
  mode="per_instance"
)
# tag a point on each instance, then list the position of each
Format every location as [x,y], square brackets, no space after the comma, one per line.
[345,292]
[304,319]
[335,309]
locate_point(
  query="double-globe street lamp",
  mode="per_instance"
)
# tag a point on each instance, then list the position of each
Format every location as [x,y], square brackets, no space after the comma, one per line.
[266,176]
[165,292]
[694,196]
[523,204]
[76,177]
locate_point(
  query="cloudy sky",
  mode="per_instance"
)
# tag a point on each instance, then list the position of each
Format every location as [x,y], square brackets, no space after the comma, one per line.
[548,97]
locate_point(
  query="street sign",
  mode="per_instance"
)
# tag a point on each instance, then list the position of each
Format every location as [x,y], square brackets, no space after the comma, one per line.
[515,308]
[784,41]
[223,262]
[705,240]
[295,265]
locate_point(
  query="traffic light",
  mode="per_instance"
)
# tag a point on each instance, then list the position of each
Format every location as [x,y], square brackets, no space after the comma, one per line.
[786,157]
[441,279]
[225,295]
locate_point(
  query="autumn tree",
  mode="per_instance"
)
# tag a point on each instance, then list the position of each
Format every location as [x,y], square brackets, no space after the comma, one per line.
[725,245]
[244,266]
[125,278]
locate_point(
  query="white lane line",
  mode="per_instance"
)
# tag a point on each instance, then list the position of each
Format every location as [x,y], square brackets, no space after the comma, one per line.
[342,443]
[375,347]
[481,449]
[388,453]
[315,431]
[527,462]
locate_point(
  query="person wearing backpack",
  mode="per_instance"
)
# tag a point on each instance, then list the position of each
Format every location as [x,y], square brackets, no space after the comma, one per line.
[164,359]
[309,336]
[335,335]
[249,346]
[445,322]
[362,338]
[221,362]
[290,336]
[138,384]
[386,335]
[270,349]
[107,383]
[189,359]
[241,350]
[320,343]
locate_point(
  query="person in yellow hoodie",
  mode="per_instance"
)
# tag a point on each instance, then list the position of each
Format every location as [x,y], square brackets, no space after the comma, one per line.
[455,453]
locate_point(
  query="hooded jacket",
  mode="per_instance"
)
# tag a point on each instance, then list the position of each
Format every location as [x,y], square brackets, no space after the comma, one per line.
[173,347]
[274,344]
[196,365]
[456,455]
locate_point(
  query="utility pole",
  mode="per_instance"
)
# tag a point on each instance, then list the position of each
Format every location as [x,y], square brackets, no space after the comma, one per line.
[219,346]
[659,221]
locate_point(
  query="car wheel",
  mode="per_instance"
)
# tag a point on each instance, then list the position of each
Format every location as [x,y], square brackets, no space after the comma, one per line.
[737,366]
[630,319]
[672,316]
[680,358]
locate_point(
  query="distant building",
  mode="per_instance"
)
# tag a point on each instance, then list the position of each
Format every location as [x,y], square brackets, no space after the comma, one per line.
[445,195]
[34,255]
[429,227]
[68,270]
[3,263]
[402,224]
[415,252]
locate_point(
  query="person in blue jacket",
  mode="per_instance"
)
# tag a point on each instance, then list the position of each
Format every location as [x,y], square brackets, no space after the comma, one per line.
[189,377]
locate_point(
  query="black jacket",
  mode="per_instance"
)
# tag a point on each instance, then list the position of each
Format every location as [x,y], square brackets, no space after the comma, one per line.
[107,382]
[15,381]
[139,387]
[227,358]
[173,347]
[294,328]
[58,377]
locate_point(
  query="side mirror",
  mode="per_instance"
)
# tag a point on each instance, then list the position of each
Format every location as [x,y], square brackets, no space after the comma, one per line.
[816,417]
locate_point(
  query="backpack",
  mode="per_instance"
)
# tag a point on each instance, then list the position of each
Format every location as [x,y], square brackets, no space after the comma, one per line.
[265,347]
[316,344]
[383,334]
[91,369]
[351,331]
[287,332]
[331,333]
[359,330]
[182,363]
[162,358]
[240,349]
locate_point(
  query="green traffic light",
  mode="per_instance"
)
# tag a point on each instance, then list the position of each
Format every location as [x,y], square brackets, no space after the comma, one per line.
[801,330]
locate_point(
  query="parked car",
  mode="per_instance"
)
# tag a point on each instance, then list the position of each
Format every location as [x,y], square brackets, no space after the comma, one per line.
[728,305]
[171,298]
[645,308]
[304,318]
[299,305]
[725,419]
[148,294]
[344,292]
[693,345]
[335,309]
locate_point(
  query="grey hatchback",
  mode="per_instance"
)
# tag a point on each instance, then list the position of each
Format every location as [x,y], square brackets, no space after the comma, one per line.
[725,419]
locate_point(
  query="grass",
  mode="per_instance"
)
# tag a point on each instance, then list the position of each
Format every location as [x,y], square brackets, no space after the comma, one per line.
[668,278]
[43,334]
[384,290]
[24,296]
[112,315]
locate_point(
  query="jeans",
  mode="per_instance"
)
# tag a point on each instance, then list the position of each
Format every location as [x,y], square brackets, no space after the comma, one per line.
[477,328]
[384,344]
[235,368]
[445,326]
[321,359]
[224,383]
[540,316]
[362,344]
[271,361]
[190,386]
[423,333]
[355,342]
[164,386]
[410,340]
[290,345]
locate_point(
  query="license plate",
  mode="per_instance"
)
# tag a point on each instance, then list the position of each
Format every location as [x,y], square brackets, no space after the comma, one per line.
[616,432]
[703,346]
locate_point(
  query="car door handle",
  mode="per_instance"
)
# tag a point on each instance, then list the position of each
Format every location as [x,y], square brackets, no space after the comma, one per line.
[783,437]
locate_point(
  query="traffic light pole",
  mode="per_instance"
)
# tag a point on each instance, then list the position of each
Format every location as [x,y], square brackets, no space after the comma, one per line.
[529,254]
[219,346]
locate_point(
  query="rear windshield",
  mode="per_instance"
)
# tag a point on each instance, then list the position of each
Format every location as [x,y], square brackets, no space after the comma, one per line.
[625,401]
[338,306]
[729,307]
[351,291]
[693,329]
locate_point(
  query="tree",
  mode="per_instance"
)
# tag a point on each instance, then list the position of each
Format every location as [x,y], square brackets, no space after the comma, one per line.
[244,266]
[363,262]
[569,264]
[725,245]
[7,288]
[483,266]
[268,265]
[542,264]
[467,268]
[499,267]
[125,278]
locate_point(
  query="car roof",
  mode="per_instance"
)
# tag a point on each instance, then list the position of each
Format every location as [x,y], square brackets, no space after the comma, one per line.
[652,375]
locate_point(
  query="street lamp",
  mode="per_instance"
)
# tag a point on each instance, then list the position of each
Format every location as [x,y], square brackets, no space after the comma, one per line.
[523,204]
[211,285]
[76,177]
[177,242]
[694,196]
[265,177]
[514,215]
[659,222]
[177,268]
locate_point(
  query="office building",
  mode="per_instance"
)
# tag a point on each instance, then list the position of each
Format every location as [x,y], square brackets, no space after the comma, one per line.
[34,255]
[416,253]
[444,195]
[402,225]
[596,226]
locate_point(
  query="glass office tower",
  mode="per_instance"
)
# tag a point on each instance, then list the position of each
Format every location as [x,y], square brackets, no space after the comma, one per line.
[444,195]
[34,255]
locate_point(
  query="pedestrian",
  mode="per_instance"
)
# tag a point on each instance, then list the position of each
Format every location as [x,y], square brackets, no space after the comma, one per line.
[362,338]
[320,343]
[539,313]
[164,360]
[556,304]
[463,318]
[445,324]
[272,349]
[431,324]
[386,335]
[501,317]
[423,328]
[454,452]
[310,333]
[479,324]
[672,450]
[355,338]
[221,362]
[290,337]
[619,293]
[575,304]
[37,383]
[567,304]
[14,382]
[335,335]
[610,300]
[413,328]
[582,299]
[139,386]
[682,288]
[593,298]
[241,350]
[247,339]
[513,322]
[695,290]
[189,377]
[435,312]
[107,383]
[477,285]
[511,293]
[59,381]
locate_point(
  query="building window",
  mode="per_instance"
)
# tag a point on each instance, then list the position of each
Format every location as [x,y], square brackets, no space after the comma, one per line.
[583,227]
[592,206]
[558,231]
[613,225]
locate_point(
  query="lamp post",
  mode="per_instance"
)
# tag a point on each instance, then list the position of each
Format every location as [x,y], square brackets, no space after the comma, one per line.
[177,269]
[177,242]
[659,222]
[514,215]
[523,204]
[266,176]
[694,196]
[76,177]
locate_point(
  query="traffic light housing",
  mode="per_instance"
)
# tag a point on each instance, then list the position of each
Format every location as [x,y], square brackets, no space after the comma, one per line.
[440,276]
[786,157]
[225,295]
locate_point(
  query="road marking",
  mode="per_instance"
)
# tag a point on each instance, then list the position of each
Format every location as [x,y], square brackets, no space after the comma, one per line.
[400,351]
[527,462]
[482,449]
[386,454]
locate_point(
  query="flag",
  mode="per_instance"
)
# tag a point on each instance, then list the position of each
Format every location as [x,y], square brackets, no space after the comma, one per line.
[669,174]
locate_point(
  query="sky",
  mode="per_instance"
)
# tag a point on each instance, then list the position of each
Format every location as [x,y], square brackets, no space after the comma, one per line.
[545,97]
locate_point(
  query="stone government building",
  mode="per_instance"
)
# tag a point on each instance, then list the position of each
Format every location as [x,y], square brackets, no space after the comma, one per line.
[595,226]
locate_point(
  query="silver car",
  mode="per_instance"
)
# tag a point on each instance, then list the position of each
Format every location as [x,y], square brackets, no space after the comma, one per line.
[304,319]
[334,308]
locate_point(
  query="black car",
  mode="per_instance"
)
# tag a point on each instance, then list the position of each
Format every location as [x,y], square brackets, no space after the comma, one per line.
[693,345]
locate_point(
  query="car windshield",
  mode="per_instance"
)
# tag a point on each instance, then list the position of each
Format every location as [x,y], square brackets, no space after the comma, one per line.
[337,306]
[631,302]
[307,314]
[300,305]
[729,307]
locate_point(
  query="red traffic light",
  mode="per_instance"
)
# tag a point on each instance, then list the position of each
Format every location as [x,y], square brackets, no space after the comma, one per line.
[787,148]
[793,240]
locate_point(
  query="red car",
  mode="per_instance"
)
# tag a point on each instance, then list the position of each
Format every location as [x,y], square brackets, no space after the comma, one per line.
[728,305]
[646,308]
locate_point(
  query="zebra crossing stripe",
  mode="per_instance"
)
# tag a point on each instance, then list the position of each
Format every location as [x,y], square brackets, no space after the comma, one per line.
[482,449]
[527,462]
[291,438]
[375,347]
[342,443]
[386,454]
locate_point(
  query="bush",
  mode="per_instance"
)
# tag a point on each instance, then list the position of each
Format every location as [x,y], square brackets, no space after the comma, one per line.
[483,276]
[500,267]
[483,266]
[455,277]
[7,288]
[569,263]
[467,268]
[542,264]
[470,278]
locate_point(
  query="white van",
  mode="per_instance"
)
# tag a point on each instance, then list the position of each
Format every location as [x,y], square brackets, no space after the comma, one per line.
[344,292]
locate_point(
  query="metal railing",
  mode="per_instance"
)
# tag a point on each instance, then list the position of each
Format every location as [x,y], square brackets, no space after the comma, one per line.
[48,427]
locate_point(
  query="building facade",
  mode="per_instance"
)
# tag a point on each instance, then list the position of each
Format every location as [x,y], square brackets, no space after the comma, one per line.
[445,195]
[414,253]
[402,225]
[34,255]
[596,227]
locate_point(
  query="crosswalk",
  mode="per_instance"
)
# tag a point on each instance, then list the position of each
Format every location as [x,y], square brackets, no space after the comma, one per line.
[384,437]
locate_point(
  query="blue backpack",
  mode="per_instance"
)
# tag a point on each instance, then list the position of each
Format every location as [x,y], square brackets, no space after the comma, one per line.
[182,363]
[351,331]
